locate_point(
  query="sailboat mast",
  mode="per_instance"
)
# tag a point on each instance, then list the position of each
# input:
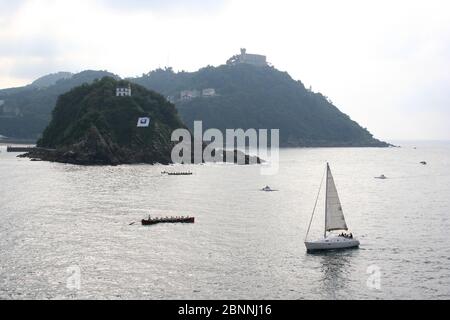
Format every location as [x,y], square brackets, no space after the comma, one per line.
[326,201]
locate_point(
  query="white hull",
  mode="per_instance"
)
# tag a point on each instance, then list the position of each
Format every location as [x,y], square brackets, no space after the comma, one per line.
[332,243]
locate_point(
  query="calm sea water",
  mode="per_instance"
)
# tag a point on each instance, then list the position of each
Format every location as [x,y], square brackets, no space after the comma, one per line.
[58,219]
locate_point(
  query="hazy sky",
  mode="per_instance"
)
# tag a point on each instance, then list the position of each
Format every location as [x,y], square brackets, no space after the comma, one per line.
[385,63]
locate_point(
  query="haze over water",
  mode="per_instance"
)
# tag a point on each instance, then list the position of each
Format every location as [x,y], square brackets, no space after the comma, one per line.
[245,244]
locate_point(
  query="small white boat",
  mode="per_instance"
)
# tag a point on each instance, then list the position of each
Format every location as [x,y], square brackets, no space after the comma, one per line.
[334,221]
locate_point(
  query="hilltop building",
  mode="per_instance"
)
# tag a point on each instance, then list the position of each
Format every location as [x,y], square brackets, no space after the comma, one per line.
[123,91]
[244,57]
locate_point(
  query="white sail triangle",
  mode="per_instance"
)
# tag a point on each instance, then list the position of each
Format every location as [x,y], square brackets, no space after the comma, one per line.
[334,216]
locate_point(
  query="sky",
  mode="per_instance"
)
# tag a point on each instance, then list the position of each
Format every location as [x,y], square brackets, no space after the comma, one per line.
[384,63]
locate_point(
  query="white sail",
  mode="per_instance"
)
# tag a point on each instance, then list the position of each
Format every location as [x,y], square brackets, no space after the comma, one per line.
[334,216]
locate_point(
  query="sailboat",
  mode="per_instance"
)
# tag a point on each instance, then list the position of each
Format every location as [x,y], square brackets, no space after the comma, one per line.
[334,221]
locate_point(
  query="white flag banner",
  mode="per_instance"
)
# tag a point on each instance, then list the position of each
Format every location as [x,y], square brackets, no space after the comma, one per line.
[143,122]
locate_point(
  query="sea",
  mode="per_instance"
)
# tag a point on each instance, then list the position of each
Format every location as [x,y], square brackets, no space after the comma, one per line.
[74,232]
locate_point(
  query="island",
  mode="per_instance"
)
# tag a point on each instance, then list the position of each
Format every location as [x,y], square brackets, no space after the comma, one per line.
[111,122]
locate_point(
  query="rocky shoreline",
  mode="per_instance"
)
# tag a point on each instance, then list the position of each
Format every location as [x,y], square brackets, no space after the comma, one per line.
[92,159]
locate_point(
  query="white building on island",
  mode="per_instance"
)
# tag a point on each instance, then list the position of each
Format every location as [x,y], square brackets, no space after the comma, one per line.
[123,91]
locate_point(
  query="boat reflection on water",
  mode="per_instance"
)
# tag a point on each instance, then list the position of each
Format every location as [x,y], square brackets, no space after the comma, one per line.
[336,275]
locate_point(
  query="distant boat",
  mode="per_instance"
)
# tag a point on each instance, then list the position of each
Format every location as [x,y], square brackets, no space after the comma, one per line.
[334,221]
[382,177]
[267,189]
[423,162]
[152,221]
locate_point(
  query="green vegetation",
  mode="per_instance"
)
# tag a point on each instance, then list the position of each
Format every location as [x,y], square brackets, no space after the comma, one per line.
[51,79]
[90,125]
[30,107]
[261,98]
[247,97]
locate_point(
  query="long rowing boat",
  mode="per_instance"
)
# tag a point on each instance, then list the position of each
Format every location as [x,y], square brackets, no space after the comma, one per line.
[153,221]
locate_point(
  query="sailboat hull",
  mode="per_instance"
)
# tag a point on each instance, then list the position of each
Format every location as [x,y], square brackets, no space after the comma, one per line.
[335,243]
